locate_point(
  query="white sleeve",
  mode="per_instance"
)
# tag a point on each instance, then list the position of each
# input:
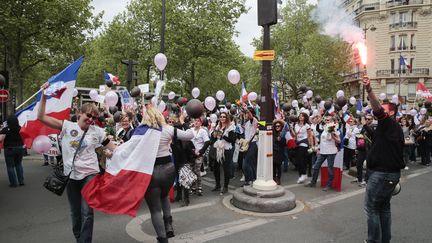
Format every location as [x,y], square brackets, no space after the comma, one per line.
[204,136]
[182,135]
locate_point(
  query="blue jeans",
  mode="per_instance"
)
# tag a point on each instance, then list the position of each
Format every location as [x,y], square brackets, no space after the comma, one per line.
[82,214]
[250,162]
[317,165]
[286,160]
[13,158]
[377,205]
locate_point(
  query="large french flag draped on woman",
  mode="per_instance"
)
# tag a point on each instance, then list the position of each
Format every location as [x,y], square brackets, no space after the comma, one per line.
[57,106]
[122,187]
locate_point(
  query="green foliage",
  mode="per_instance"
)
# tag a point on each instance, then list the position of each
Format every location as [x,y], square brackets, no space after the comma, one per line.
[40,37]
[303,55]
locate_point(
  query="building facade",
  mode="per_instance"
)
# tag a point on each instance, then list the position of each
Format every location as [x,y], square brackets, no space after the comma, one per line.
[393,30]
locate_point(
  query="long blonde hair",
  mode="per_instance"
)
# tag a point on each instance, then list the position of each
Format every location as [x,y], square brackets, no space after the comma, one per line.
[153,118]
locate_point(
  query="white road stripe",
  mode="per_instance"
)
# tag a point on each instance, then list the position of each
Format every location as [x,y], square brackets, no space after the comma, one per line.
[221,230]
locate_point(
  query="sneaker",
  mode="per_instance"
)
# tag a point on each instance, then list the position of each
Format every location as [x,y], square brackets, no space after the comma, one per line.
[224,190]
[199,192]
[362,184]
[406,168]
[203,173]
[242,179]
[354,181]
[302,179]
[216,189]
[326,188]
[245,184]
[310,184]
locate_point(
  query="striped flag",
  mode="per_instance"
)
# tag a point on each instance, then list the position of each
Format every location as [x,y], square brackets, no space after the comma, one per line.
[244,94]
[122,187]
[277,111]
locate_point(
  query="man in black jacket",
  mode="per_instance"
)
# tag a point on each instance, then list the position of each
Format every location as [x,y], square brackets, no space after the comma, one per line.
[384,162]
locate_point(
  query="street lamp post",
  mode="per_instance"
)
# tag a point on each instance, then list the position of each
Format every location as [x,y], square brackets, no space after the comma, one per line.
[162,43]
[365,29]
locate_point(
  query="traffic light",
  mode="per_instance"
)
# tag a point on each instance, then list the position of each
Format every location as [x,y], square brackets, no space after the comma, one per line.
[132,74]
[267,12]
[4,79]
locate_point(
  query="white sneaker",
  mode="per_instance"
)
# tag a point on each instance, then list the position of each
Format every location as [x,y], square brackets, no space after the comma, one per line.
[302,179]
[406,168]
[243,178]
[362,184]
[203,173]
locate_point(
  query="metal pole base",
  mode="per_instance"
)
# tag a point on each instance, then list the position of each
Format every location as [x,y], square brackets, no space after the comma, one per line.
[264,179]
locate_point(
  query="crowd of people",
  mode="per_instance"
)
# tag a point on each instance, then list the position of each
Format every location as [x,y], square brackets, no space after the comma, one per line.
[223,140]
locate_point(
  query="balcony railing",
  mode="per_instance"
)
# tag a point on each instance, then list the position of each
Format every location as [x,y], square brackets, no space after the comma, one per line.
[391,4]
[416,72]
[367,7]
[403,25]
[392,48]
[402,48]
[352,77]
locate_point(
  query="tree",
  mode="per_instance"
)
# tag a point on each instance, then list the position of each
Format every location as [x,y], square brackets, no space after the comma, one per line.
[303,55]
[42,35]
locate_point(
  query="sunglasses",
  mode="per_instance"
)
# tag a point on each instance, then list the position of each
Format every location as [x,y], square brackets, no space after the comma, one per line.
[90,116]
[369,119]
[223,117]
[277,126]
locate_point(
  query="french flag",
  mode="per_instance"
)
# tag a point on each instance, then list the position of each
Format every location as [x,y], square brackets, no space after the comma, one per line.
[58,105]
[337,172]
[114,79]
[277,111]
[122,187]
[403,62]
[244,94]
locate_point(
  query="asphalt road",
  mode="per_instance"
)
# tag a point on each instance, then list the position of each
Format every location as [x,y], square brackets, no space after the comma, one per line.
[32,214]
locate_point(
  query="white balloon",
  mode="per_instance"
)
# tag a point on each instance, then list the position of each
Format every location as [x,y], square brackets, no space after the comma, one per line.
[305,99]
[352,100]
[161,107]
[423,111]
[195,92]
[321,104]
[252,96]
[315,112]
[340,93]
[111,98]
[220,95]
[160,60]
[75,92]
[233,76]
[395,99]
[294,103]
[171,95]
[344,108]
[213,118]
[93,94]
[210,103]
[306,111]
[309,94]
[382,96]
[413,112]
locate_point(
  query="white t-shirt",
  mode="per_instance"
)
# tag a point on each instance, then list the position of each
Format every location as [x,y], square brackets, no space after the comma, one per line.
[167,135]
[250,129]
[327,143]
[200,137]
[86,162]
[302,133]
[351,132]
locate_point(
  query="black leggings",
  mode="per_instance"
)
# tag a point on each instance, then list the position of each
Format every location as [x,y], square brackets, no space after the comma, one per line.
[227,163]
[157,196]
[301,159]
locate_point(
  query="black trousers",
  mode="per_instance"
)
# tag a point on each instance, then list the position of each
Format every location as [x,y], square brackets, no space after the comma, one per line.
[301,159]
[226,164]
[362,154]
[348,157]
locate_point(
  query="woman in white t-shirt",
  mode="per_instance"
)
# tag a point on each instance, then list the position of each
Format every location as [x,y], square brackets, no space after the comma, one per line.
[351,132]
[86,164]
[328,149]
[304,139]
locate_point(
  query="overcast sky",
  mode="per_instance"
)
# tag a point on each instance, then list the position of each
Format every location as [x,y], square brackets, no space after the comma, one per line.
[246,26]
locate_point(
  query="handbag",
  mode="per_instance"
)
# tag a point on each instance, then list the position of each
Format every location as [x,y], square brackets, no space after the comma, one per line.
[186,176]
[56,181]
[244,144]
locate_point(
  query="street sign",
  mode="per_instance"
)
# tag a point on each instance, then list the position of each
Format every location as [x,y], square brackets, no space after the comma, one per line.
[267,55]
[4,95]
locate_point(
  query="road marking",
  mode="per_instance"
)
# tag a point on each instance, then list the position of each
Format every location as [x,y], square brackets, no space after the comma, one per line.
[419,173]
[221,230]
[133,228]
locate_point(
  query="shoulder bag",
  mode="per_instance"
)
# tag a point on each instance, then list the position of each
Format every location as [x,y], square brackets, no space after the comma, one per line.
[56,181]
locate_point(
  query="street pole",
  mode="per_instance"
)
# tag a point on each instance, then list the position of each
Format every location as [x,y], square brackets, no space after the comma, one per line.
[162,42]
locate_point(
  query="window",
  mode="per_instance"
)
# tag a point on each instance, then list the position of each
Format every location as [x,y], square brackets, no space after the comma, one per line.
[413,45]
[402,42]
[392,43]
[412,87]
[413,16]
[411,64]
[403,17]
[393,18]
[392,66]
[390,90]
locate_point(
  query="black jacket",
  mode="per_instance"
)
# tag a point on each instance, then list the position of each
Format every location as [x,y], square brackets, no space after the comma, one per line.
[386,153]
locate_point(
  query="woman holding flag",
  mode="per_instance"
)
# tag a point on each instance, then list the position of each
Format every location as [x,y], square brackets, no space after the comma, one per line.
[79,141]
